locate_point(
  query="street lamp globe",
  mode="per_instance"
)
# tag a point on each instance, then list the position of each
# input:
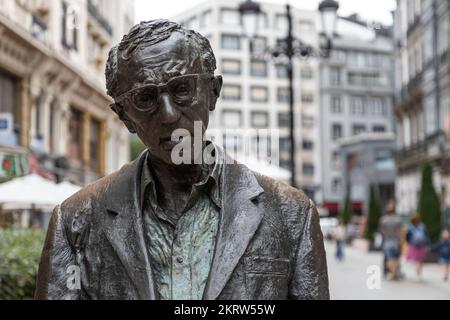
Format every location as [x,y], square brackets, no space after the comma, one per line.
[250,12]
[328,11]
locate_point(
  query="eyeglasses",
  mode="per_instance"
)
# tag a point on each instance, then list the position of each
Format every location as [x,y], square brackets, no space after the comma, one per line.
[182,90]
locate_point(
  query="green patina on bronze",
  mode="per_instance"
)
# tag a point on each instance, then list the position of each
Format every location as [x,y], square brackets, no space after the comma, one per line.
[181,251]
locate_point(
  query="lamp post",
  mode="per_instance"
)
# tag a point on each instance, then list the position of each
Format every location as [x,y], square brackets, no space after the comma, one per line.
[250,12]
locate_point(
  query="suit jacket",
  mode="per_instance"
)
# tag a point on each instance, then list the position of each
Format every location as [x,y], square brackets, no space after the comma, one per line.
[269,244]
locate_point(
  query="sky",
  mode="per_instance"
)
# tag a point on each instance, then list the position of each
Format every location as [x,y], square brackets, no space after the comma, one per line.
[370,10]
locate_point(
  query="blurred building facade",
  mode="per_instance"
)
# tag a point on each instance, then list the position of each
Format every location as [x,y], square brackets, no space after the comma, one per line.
[54,112]
[356,91]
[255,93]
[422,97]
[368,158]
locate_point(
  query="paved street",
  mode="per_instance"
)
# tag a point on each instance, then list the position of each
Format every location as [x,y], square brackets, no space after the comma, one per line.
[348,279]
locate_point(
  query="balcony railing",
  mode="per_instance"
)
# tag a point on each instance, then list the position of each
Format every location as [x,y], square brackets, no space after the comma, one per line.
[94,12]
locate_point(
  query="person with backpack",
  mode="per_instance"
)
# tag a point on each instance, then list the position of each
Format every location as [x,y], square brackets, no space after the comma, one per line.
[418,240]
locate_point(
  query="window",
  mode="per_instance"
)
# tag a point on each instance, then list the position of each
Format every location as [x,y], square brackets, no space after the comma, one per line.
[307,98]
[281,22]
[231,92]
[384,159]
[285,164]
[231,118]
[259,45]
[75,135]
[8,106]
[338,55]
[336,160]
[366,79]
[357,105]
[358,129]
[378,106]
[379,128]
[259,119]
[336,185]
[231,42]
[258,68]
[283,120]
[283,95]
[431,121]
[306,25]
[282,72]
[307,145]
[307,121]
[336,104]
[8,94]
[306,73]
[285,145]
[94,145]
[336,131]
[335,76]
[69,27]
[229,17]
[308,169]
[230,66]
[259,94]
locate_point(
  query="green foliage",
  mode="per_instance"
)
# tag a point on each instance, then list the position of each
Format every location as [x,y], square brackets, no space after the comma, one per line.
[429,206]
[374,213]
[20,251]
[347,213]
[136,147]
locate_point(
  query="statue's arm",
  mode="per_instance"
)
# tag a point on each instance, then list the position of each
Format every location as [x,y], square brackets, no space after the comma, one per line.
[310,277]
[55,280]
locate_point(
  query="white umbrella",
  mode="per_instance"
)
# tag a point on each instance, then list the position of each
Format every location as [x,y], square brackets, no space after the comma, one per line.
[66,190]
[31,190]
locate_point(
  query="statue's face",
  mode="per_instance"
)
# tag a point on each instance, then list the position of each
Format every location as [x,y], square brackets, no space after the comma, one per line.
[166,89]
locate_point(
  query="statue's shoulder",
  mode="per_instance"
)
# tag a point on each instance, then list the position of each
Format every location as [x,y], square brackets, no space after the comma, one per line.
[116,185]
[283,192]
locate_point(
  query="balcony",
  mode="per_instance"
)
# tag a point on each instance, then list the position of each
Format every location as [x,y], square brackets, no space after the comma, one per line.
[429,148]
[101,20]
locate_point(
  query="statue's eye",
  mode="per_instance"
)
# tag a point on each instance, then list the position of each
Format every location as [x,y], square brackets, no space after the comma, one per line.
[182,90]
[147,97]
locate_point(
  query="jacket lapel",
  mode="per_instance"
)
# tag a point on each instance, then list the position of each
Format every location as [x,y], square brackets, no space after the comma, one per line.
[240,219]
[124,228]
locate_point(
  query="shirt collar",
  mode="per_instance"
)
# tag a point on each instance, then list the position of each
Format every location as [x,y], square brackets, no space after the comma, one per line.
[211,183]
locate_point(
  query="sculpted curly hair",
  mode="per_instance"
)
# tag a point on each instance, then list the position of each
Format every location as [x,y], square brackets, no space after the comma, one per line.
[147,34]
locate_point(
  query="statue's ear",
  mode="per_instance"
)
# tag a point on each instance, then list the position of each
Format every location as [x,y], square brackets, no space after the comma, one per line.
[216,89]
[118,109]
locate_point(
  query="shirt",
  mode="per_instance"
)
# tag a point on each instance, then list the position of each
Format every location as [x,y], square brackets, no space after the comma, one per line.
[181,251]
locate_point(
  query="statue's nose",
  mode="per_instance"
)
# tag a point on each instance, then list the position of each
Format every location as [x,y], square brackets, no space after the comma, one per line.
[169,113]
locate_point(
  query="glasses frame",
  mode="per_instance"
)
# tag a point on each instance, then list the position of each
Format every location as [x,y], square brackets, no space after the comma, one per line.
[160,88]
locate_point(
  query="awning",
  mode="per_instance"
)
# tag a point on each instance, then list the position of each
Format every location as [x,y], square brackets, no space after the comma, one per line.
[34,191]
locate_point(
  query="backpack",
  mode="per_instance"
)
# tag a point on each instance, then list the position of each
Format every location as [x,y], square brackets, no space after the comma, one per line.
[417,235]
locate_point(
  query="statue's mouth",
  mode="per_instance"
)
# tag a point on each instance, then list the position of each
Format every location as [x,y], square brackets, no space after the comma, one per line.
[168,144]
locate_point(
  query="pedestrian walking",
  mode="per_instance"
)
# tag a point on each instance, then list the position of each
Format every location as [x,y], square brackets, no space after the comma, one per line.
[443,248]
[390,228]
[418,240]
[339,236]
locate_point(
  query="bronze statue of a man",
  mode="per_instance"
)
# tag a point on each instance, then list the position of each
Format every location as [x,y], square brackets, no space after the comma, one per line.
[195,230]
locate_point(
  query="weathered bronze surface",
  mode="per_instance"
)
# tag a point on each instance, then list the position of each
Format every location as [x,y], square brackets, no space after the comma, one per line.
[267,244]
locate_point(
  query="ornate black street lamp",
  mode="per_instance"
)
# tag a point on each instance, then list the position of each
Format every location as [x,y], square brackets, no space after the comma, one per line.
[251,13]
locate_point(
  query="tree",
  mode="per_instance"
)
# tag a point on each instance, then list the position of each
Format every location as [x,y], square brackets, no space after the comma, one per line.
[136,147]
[347,213]
[373,214]
[429,206]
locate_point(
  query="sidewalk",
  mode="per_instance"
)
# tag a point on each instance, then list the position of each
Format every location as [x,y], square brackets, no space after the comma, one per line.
[348,279]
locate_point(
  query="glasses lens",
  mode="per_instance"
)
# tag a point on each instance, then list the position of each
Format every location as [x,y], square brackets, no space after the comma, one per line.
[182,89]
[145,99]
